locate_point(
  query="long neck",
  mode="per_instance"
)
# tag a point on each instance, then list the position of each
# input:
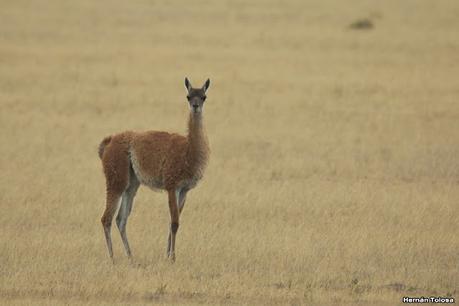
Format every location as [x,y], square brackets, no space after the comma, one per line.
[198,149]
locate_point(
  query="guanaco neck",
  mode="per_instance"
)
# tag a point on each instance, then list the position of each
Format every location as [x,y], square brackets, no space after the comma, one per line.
[198,149]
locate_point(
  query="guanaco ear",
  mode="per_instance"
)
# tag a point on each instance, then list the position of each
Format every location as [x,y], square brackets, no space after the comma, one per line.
[206,85]
[187,84]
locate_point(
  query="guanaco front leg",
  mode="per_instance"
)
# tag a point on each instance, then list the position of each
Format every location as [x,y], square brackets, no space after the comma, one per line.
[180,195]
[174,212]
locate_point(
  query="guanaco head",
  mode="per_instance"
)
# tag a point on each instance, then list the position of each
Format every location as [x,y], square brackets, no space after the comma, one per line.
[196,96]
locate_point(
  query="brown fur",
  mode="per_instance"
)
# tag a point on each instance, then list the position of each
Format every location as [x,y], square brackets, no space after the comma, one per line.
[159,160]
[169,157]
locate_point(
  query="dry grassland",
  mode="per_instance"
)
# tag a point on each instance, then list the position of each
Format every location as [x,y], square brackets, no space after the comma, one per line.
[334,170]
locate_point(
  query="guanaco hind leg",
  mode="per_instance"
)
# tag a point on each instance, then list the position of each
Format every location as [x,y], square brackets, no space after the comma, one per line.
[107,217]
[116,165]
[125,210]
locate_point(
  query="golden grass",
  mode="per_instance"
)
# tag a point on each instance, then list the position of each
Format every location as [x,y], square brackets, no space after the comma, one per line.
[334,166]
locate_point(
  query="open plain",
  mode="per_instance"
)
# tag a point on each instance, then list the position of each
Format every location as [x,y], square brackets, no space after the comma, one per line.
[334,166]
